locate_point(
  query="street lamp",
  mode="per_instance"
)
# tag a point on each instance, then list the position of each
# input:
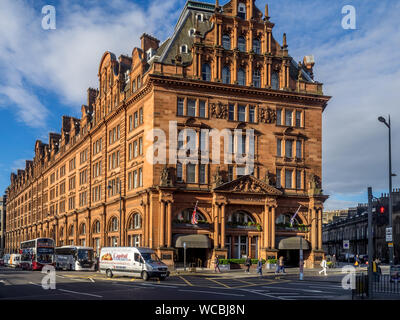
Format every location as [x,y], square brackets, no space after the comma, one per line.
[184,256]
[387,124]
[109,187]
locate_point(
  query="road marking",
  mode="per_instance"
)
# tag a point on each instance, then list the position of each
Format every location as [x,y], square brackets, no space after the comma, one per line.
[187,281]
[156,285]
[218,282]
[212,292]
[263,294]
[133,279]
[83,293]
[35,284]
[91,279]
[286,288]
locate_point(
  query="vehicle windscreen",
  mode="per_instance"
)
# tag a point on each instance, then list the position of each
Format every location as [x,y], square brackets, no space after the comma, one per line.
[85,254]
[45,255]
[150,257]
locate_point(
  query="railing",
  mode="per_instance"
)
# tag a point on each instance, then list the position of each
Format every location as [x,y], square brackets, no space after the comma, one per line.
[381,284]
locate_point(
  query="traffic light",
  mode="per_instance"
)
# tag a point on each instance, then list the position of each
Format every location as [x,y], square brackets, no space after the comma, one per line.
[382,215]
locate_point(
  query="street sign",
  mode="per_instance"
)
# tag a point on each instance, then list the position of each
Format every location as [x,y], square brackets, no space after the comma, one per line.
[389,237]
[346,244]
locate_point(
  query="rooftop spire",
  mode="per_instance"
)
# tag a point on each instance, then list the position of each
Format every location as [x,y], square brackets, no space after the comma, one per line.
[266,12]
[284,41]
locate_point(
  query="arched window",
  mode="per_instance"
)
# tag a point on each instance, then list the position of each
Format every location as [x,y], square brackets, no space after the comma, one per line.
[257,78]
[226,42]
[184,48]
[275,80]
[242,10]
[242,44]
[283,221]
[206,72]
[256,46]
[240,217]
[241,77]
[226,75]
[135,222]
[71,231]
[113,225]
[96,227]
[185,216]
[82,229]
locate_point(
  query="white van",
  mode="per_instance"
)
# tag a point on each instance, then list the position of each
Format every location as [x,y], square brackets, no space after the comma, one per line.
[132,261]
[15,260]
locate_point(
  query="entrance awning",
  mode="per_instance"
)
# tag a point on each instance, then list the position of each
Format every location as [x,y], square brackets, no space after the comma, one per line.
[293,243]
[192,241]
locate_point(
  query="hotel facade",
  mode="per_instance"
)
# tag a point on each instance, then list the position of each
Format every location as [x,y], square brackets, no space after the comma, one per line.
[93,185]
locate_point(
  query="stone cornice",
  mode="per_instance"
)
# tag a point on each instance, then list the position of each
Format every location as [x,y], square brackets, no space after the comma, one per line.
[316,99]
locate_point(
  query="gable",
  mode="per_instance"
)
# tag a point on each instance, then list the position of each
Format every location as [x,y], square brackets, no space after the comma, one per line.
[248,184]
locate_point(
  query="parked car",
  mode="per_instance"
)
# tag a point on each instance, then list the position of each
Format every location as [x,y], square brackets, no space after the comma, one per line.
[133,261]
[6,259]
[15,260]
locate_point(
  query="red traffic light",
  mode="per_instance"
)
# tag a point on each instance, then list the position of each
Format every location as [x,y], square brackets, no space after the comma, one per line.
[382,209]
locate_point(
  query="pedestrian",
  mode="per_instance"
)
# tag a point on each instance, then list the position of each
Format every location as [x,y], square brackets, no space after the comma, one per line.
[358,262]
[334,261]
[281,266]
[248,264]
[216,264]
[259,267]
[323,265]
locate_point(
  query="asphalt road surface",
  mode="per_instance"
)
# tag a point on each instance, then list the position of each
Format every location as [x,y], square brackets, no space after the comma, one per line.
[20,285]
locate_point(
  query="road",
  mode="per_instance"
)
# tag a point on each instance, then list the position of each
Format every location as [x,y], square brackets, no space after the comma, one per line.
[18,284]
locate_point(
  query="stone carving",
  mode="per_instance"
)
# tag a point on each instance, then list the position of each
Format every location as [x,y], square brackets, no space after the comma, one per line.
[267,179]
[315,185]
[217,179]
[219,110]
[267,115]
[165,180]
[247,186]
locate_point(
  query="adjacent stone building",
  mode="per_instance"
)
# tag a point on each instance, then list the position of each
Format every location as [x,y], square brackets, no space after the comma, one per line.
[3,201]
[93,184]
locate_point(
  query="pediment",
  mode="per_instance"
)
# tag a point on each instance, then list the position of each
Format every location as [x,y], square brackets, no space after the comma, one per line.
[248,184]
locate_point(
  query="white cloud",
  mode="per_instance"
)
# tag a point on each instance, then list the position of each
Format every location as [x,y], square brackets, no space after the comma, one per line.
[64,62]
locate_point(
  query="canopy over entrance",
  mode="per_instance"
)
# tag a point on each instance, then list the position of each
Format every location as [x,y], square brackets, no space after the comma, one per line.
[293,243]
[192,241]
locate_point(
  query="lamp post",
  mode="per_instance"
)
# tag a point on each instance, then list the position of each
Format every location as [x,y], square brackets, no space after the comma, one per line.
[383,120]
[109,187]
[184,256]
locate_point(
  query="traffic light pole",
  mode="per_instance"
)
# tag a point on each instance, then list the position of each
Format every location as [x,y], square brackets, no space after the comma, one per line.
[370,243]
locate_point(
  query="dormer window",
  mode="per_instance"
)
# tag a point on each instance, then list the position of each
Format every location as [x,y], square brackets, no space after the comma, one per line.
[150,53]
[242,11]
[191,32]
[184,48]
[127,77]
[200,17]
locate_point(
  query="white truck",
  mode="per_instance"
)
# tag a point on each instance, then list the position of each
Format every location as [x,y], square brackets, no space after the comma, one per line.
[132,261]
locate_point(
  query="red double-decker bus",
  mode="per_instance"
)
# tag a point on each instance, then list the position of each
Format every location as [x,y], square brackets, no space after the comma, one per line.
[37,253]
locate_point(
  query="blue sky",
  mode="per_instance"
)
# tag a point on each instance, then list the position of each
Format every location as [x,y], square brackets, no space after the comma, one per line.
[45,74]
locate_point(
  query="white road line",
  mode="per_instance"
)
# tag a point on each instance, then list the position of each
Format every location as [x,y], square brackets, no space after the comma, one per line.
[212,292]
[91,279]
[35,284]
[286,288]
[263,294]
[83,293]
[156,285]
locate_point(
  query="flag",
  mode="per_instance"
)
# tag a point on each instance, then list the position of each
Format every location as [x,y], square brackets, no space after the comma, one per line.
[294,216]
[194,218]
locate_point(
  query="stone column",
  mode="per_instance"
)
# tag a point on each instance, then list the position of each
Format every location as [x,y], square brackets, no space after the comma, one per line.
[319,215]
[216,222]
[272,221]
[65,231]
[169,224]
[162,224]
[266,233]
[223,226]
[88,235]
[313,229]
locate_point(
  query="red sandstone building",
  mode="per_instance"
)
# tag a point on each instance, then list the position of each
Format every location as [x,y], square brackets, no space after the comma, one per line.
[220,69]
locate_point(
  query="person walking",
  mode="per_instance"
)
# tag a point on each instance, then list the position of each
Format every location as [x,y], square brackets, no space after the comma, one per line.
[358,262]
[259,267]
[323,265]
[281,266]
[216,264]
[334,261]
[248,264]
